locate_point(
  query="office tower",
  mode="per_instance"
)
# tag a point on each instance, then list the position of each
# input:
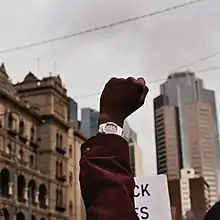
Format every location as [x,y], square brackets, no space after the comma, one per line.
[75,206]
[89,122]
[34,157]
[134,150]
[72,113]
[186,129]
[168,144]
[189,195]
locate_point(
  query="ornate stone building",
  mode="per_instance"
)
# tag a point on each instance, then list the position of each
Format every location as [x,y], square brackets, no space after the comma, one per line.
[36,144]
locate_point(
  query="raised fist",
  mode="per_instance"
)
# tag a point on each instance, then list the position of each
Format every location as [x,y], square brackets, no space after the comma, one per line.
[120,98]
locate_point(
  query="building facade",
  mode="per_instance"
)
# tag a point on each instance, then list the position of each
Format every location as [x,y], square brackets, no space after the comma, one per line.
[89,122]
[168,145]
[34,159]
[73,113]
[185,124]
[134,150]
[74,200]
[189,196]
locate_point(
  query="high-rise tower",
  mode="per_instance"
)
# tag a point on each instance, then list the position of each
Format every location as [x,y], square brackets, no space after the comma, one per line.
[186,129]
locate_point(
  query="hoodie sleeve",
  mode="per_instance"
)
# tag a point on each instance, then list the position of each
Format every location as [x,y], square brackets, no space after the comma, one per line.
[106,179]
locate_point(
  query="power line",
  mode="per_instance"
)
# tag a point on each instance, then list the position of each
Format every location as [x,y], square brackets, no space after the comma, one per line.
[153,81]
[110,25]
[197,61]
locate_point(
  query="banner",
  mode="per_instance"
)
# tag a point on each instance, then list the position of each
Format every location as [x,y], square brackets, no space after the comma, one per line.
[152,198]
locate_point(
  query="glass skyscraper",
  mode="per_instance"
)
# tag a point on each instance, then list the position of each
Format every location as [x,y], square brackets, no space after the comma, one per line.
[186,129]
[89,122]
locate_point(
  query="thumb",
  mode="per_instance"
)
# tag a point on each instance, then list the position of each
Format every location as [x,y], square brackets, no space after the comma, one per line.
[143,96]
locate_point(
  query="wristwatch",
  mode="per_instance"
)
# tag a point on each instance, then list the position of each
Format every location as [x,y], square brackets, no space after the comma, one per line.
[110,128]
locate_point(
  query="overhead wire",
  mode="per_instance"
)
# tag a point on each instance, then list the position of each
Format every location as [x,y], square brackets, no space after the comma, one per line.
[197,61]
[154,81]
[110,25]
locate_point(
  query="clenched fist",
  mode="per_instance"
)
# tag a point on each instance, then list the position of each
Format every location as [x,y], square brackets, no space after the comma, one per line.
[120,98]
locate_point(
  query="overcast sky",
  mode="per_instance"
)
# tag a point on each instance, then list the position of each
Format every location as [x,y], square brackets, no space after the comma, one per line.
[152,47]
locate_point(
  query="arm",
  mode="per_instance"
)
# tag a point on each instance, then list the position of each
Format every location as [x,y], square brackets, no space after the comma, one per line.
[213,213]
[106,179]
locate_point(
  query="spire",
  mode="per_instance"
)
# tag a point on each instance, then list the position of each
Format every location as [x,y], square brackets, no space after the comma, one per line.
[30,77]
[3,70]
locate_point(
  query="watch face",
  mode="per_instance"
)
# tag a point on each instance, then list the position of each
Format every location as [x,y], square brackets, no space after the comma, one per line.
[111,128]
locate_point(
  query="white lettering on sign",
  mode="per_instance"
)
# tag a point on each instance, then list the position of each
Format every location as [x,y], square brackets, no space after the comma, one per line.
[152,198]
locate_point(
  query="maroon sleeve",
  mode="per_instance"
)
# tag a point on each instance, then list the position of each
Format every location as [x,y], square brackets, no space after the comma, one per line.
[106,179]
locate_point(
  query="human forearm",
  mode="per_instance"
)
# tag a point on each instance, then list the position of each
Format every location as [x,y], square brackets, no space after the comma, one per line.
[106,179]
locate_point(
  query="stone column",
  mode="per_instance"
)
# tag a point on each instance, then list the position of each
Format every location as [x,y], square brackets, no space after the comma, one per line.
[10,189]
[37,198]
[26,194]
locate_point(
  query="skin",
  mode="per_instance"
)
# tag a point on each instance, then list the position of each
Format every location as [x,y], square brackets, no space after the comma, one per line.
[120,98]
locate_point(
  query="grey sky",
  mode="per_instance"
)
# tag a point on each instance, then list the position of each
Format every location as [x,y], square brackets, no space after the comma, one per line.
[151,47]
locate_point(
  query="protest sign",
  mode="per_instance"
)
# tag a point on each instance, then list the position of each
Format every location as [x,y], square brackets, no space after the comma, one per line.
[152,198]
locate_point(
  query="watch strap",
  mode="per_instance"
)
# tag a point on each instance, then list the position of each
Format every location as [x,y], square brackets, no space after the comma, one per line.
[103,128]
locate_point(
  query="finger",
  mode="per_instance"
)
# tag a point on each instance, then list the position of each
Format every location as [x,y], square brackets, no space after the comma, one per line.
[131,79]
[112,79]
[143,96]
[141,81]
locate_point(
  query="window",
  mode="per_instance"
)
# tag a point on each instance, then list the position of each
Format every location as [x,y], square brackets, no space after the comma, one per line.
[21,128]
[57,168]
[20,155]
[70,151]
[32,134]
[71,208]
[57,140]
[70,178]
[31,160]
[10,121]
[61,141]
[61,168]
[59,197]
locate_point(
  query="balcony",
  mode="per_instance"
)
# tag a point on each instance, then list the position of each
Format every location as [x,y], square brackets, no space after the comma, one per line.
[23,138]
[12,132]
[61,177]
[7,155]
[60,150]
[22,162]
[34,143]
[60,207]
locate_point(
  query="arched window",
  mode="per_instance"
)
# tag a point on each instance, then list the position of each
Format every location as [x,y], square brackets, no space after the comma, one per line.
[4,183]
[57,168]
[42,196]
[32,134]
[32,191]
[61,141]
[10,121]
[31,161]
[57,197]
[70,178]
[6,214]
[70,208]
[57,140]
[70,151]
[21,188]
[20,216]
[61,168]
[21,128]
